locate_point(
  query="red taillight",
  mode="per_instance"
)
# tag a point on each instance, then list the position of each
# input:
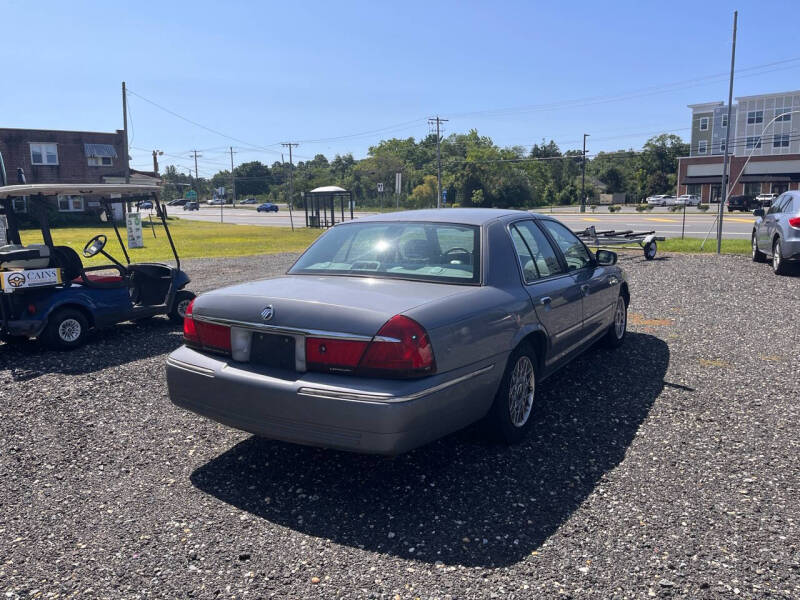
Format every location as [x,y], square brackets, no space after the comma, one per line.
[330,354]
[400,349]
[208,336]
[795,222]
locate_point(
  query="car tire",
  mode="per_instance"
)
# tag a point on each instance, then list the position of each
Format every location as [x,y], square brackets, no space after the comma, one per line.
[178,310]
[66,329]
[616,333]
[758,256]
[511,416]
[778,264]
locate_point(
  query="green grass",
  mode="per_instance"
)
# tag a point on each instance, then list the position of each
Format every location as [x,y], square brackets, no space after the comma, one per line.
[193,239]
[692,245]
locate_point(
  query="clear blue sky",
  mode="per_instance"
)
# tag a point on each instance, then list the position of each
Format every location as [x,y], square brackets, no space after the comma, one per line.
[322,72]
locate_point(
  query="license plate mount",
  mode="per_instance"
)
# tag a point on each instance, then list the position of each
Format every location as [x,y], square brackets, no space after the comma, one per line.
[273,350]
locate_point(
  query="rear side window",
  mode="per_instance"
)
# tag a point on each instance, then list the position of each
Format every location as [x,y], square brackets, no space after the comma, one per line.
[536,256]
[575,253]
[790,206]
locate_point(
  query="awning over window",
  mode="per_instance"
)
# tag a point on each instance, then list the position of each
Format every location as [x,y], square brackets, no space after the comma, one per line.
[99,150]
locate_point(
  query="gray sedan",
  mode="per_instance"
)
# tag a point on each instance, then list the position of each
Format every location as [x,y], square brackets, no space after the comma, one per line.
[394,330]
[776,234]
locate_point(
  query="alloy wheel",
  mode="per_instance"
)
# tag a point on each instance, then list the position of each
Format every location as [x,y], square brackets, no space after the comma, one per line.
[69,330]
[520,391]
[620,318]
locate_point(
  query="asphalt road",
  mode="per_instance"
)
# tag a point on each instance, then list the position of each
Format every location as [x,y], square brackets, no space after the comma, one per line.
[666,468]
[735,225]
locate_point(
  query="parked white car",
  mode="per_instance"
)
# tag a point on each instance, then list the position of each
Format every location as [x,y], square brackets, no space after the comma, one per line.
[659,200]
[766,199]
[687,200]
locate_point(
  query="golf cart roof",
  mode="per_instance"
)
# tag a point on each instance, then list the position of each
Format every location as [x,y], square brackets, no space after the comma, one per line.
[77,189]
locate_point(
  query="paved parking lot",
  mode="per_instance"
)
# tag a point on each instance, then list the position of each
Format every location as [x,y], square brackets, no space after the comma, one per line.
[666,468]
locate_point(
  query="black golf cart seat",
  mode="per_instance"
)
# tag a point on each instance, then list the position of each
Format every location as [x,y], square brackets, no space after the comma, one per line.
[17,256]
[73,271]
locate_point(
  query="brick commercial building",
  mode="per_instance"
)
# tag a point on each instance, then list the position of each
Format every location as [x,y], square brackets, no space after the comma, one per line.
[775,147]
[47,156]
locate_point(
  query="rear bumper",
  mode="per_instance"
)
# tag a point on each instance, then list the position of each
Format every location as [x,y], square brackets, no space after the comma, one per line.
[335,411]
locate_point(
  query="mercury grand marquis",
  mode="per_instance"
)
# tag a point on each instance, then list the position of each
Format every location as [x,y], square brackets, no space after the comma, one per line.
[394,330]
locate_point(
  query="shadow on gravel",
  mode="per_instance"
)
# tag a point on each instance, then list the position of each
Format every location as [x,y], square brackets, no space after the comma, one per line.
[461,500]
[120,344]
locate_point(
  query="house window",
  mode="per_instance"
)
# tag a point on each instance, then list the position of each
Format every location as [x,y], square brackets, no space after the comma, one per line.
[693,189]
[785,116]
[753,142]
[702,146]
[44,154]
[752,189]
[722,146]
[755,116]
[724,120]
[781,140]
[70,203]
[100,161]
[704,124]
[20,204]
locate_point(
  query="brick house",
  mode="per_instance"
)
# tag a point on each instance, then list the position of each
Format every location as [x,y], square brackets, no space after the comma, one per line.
[49,156]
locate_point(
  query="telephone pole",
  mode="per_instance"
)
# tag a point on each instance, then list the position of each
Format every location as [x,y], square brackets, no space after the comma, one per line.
[156,154]
[583,175]
[291,145]
[196,174]
[438,121]
[233,180]
[125,133]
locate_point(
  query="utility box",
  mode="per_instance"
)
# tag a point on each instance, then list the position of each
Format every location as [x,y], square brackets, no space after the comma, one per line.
[618,198]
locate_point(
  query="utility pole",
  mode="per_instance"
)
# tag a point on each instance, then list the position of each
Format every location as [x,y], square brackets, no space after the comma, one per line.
[233,180]
[156,154]
[196,174]
[724,194]
[125,133]
[583,175]
[291,145]
[438,121]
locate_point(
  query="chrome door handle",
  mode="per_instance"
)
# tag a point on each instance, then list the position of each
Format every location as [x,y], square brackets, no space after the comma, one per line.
[545,300]
[585,289]
[613,281]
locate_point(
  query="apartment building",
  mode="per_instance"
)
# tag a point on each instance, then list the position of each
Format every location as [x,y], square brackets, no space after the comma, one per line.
[766,127]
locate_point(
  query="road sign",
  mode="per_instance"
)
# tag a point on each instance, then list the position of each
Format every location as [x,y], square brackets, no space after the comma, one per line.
[398,182]
[380,187]
[190,195]
[444,196]
[133,222]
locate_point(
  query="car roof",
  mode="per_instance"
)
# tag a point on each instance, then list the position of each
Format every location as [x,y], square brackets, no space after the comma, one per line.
[464,216]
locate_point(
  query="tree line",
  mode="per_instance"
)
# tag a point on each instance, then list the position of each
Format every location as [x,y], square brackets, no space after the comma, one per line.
[475,172]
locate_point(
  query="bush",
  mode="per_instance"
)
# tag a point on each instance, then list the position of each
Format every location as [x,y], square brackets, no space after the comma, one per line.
[676,208]
[702,207]
[649,207]
[614,208]
[593,207]
[641,207]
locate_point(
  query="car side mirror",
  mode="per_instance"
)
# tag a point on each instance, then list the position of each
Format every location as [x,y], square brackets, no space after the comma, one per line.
[759,212]
[606,258]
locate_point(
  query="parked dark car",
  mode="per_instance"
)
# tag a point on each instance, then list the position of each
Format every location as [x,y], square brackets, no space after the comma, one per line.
[177,202]
[776,233]
[743,203]
[267,207]
[145,205]
[191,205]
[394,330]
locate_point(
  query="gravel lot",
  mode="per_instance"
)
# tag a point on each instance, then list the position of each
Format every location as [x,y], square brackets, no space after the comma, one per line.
[667,468]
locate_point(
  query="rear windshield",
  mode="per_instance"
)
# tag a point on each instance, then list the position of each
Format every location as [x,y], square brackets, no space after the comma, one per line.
[442,252]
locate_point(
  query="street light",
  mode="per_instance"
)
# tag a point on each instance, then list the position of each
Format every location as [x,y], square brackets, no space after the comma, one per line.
[583,175]
[156,154]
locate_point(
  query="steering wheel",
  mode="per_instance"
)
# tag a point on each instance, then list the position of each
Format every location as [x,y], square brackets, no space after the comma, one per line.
[94,245]
[459,250]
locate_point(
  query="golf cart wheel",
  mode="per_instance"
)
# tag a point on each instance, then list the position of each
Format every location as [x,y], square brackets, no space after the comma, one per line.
[179,305]
[66,329]
[650,249]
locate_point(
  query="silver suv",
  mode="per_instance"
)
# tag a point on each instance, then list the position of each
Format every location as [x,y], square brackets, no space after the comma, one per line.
[777,233]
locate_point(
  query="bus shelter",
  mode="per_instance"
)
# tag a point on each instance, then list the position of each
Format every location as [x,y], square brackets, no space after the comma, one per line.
[321,206]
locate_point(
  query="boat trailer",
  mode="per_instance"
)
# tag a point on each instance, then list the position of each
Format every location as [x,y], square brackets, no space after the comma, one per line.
[622,240]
